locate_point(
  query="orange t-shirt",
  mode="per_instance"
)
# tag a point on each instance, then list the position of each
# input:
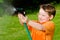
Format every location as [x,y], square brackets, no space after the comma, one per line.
[43,35]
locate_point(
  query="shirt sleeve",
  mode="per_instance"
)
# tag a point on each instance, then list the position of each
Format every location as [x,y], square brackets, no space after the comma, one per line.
[29,27]
[49,27]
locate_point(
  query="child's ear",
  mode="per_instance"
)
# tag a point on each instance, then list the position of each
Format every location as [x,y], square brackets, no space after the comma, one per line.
[51,17]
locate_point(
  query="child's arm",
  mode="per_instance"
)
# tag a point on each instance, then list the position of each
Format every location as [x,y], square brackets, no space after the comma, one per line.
[36,25]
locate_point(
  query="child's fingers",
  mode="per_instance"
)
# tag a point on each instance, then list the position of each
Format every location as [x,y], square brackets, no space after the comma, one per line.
[22,18]
[19,15]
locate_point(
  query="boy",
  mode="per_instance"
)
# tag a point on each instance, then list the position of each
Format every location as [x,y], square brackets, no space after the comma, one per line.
[43,28]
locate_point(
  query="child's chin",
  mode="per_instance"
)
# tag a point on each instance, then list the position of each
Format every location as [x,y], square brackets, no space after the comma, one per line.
[41,21]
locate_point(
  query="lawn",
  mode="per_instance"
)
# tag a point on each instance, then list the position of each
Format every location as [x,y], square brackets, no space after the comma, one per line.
[11,29]
[57,23]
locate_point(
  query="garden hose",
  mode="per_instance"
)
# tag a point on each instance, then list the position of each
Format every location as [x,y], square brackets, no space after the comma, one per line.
[25,25]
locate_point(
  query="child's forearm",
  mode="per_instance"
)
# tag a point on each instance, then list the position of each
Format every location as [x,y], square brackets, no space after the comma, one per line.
[36,25]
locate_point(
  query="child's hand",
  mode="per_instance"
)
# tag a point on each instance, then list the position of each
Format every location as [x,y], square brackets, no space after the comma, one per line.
[22,19]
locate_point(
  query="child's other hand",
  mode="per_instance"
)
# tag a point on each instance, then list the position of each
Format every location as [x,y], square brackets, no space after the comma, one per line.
[22,19]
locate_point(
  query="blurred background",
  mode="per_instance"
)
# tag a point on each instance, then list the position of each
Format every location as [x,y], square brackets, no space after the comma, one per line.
[11,29]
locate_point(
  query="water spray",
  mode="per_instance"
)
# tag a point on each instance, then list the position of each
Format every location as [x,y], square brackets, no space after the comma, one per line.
[10,10]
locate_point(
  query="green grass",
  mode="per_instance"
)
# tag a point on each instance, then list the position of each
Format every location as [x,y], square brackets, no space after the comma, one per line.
[11,29]
[57,23]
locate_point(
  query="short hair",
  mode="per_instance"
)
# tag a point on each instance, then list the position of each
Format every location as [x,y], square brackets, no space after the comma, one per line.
[49,8]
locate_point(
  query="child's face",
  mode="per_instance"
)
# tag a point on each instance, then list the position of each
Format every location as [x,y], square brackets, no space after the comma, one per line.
[43,16]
